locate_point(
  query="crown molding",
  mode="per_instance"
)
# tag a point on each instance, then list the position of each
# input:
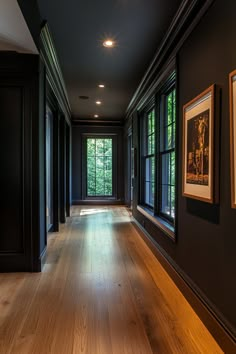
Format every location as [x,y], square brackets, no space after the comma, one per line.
[187,17]
[53,71]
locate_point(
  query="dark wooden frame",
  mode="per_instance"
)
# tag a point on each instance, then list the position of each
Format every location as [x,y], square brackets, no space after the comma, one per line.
[214,131]
[232,75]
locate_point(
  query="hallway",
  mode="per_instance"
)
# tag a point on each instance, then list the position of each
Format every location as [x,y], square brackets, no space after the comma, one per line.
[101,291]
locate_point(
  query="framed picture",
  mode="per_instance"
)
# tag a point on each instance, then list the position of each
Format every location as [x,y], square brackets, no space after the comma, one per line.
[232,91]
[199,163]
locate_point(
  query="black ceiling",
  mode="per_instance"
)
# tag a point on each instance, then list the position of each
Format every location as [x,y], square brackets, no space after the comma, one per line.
[79,28]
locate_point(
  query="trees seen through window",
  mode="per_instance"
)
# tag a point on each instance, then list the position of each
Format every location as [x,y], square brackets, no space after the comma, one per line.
[99,167]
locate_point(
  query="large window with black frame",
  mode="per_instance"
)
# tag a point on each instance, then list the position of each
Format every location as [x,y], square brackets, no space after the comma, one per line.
[99,167]
[167,154]
[158,163]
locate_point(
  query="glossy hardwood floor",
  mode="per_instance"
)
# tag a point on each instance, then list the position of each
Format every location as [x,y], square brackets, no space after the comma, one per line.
[101,292]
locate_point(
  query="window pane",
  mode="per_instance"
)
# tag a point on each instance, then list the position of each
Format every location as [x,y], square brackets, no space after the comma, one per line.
[149,181]
[91,147]
[153,120]
[99,167]
[147,193]
[153,144]
[173,134]
[169,137]
[165,169]
[152,194]
[149,124]
[174,105]
[152,169]
[108,147]
[172,172]
[169,109]
[165,205]
[99,146]
[168,159]
[172,209]
[150,145]
[148,165]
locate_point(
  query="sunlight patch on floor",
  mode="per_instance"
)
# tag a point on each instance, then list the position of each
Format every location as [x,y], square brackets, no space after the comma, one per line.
[84,212]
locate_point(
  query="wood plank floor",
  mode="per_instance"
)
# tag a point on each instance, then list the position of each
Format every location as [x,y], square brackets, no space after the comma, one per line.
[102,291]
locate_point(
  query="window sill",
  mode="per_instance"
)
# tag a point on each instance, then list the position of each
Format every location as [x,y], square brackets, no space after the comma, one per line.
[162,224]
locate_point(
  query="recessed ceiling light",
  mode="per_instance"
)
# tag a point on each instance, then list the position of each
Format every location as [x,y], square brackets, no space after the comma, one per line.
[96,115]
[108,43]
[82,97]
[101,86]
[98,102]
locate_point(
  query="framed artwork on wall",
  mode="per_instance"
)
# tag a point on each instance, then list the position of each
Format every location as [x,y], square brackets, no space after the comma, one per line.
[232,91]
[199,167]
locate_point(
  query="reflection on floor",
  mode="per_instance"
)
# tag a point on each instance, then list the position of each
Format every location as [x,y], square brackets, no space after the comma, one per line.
[93,211]
[101,292]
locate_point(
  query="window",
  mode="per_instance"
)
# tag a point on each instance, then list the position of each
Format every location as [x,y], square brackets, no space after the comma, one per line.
[158,162]
[99,167]
[149,157]
[167,155]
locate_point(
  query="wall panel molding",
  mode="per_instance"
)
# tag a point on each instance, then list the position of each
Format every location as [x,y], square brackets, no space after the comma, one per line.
[21,205]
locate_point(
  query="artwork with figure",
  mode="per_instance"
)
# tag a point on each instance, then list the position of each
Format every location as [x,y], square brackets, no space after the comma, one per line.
[198,149]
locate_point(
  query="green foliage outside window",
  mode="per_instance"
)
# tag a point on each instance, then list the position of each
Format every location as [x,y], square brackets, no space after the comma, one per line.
[99,167]
[168,157]
[150,160]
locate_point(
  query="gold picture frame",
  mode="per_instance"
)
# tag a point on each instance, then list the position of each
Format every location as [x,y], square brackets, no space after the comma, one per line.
[232,98]
[199,162]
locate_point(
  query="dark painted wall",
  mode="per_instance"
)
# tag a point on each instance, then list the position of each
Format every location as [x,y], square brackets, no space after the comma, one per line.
[22,186]
[206,234]
[77,135]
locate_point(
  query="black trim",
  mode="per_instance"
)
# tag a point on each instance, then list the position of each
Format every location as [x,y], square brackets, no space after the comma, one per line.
[54,73]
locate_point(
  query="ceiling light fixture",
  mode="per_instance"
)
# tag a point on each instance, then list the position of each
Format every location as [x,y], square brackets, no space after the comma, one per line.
[98,102]
[82,97]
[96,115]
[101,86]
[108,43]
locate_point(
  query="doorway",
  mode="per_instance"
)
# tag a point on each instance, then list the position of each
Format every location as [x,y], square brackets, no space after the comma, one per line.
[49,169]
